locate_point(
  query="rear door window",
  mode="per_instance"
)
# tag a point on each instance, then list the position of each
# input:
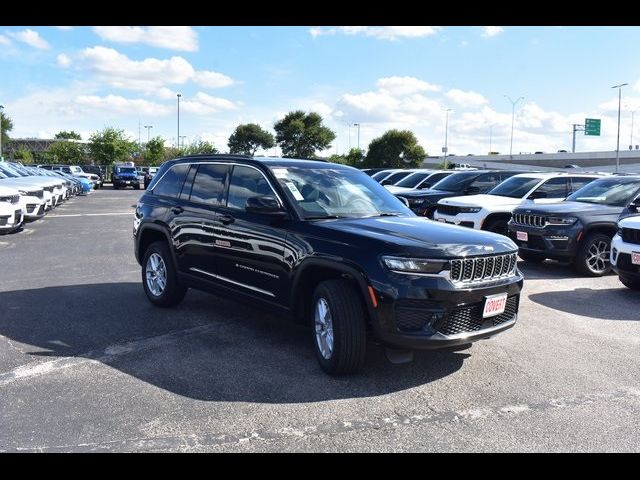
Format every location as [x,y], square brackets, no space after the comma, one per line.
[208,184]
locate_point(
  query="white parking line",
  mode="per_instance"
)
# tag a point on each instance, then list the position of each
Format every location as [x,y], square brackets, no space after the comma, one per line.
[90,214]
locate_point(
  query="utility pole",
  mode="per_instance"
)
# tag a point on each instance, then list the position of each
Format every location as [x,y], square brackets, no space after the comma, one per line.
[148,127]
[577,127]
[490,137]
[179,95]
[139,136]
[1,117]
[358,125]
[445,149]
[513,116]
[633,112]
[619,87]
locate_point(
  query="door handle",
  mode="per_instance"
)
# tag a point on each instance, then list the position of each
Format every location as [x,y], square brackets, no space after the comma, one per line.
[177,210]
[226,219]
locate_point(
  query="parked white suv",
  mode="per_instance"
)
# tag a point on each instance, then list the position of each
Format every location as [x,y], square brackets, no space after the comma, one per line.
[10,212]
[492,210]
[625,251]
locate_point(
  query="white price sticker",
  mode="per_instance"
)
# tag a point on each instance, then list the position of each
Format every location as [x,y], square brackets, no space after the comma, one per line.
[294,191]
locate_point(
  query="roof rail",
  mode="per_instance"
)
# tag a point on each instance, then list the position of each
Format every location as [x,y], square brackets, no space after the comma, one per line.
[225,155]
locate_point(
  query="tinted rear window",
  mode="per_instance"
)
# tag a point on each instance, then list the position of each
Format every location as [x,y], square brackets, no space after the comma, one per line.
[171,183]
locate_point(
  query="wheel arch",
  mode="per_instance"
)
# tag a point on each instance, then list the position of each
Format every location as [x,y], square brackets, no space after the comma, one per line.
[149,234]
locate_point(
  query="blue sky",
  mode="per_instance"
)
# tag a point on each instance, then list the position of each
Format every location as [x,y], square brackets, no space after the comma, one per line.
[85,78]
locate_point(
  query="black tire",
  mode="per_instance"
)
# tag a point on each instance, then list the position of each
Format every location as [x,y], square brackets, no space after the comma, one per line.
[585,251]
[115,186]
[349,327]
[137,186]
[173,292]
[499,225]
[531,257]
[631,283]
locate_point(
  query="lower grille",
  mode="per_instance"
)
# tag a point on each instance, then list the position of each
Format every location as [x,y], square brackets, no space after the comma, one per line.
[631,235]
[624,263]
[469,319]
[415,315]
[31,207]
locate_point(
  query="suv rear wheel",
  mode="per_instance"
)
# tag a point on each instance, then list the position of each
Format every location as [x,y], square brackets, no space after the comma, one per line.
[159,277]
[593,255]
[339,329]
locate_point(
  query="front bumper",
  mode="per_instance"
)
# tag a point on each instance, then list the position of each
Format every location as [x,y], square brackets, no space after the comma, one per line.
[621,258]
[430,313]
[32,207]
[557,242]
[10,218]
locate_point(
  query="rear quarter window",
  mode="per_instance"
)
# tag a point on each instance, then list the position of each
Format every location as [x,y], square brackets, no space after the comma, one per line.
[171,182]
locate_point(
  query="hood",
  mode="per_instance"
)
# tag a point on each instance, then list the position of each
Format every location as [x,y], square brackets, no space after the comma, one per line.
[570,207]
[395,190]
[426,193]
[6,191]
[415,235]
[630,222]
[36,181]
[481,200]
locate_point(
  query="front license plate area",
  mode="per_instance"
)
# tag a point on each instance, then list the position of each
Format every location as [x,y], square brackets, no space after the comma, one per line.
[494,305]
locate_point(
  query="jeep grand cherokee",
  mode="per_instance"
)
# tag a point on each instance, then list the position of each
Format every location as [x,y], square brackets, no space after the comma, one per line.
[325,244]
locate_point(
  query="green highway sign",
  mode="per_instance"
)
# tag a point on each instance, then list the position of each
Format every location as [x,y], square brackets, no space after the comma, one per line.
[592,126]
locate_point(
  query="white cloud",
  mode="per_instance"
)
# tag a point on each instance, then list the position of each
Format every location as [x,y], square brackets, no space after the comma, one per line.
[467,99]
[4,40]
[405,85]
[115,103]
[212,79]
[63,60]
[64,28]
[173,38]
[149,75]
[31,38]
[204,104]
[385,33]
[491,31]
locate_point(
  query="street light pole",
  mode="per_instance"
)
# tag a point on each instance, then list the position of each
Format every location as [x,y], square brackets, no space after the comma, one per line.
[446,137]
[179,95]
[148,127]
[513,116]
[619,87]
[358,125]
[490,137]
[633,112]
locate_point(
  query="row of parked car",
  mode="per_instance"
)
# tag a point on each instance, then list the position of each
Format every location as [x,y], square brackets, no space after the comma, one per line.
[27,193]
[591,220]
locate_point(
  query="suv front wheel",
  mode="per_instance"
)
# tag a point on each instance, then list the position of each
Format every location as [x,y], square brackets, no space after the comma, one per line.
[339,329]
[159,277]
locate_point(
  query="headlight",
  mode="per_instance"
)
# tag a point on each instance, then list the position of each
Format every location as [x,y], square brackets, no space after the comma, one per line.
[561,220]
[469,209]
[414,265]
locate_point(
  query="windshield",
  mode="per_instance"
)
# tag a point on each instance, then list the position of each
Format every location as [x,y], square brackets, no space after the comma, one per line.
[617,192]
[126,169]
[456,182]
[336,193]
[9,172]
[515,187]
[396,177]
[413,180]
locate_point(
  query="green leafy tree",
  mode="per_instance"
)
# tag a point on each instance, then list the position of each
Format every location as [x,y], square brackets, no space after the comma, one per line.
[68,153]
[23,155]
[395,149]
[200,146]
[7,126]
[70,135]
[246,139]
[170,153]
[335,158]
[299,135]
[355,157]
[111,145]
[154,151]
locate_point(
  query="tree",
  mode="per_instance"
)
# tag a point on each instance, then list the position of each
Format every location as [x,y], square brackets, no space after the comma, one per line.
[111,146]
[395,149]
[7,125]
[71,135]
[198,147]
[154,151]
[248,138]
[355,157]
[299,135]
[68,153]
[23,155]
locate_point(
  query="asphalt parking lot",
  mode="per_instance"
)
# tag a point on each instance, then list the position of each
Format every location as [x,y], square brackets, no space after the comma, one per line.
[88,364]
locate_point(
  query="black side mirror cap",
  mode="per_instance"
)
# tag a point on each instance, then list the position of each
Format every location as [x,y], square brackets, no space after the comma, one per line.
[264,205]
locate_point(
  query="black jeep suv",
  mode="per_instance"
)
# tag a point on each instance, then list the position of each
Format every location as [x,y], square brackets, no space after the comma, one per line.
[472,182]
[325,244]
[580,229]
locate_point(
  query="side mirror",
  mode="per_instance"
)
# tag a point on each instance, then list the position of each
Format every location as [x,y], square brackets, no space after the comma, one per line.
[538,194]
[424,185]
[404,200]
[386,182]
[635,205]
[265,205]
[472,190]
